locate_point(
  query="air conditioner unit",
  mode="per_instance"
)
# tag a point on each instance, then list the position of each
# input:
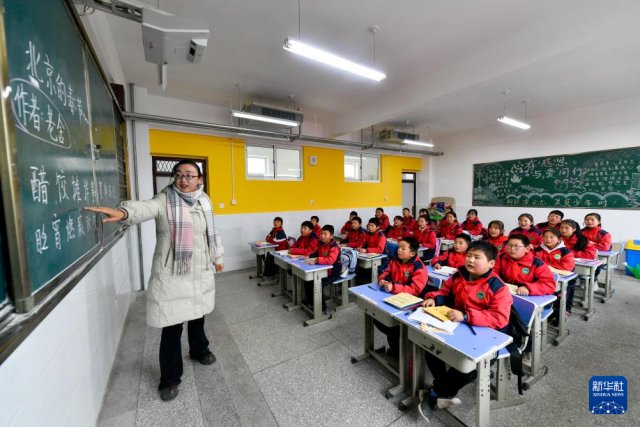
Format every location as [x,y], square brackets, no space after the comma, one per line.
[392,135]
[273,112]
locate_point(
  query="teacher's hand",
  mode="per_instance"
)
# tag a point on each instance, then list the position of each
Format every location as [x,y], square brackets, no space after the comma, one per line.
[114,215]
[219,268]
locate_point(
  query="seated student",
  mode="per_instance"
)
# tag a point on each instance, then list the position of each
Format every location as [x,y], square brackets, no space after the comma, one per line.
[356,235]
[315,221]
[478,297]
[557,255]
[384,220]
[518,266]
[347,225]
[307,243]
[407,219]
[553,221]
[276,236]
[495,235]
[398,231]
[328,253]
[593,231]
[426,237]
[454,257]
[421,212]
[450,228]
[375,240]
[472,224]
[575,241]
[405,273]
[526,227]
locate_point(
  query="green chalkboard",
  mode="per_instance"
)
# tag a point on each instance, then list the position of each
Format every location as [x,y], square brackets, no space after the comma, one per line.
[597,179]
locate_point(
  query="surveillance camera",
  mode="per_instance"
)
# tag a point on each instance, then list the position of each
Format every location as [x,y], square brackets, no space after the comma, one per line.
[196,50]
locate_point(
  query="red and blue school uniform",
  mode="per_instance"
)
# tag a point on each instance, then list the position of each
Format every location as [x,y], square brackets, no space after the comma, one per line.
[559,257]
[499,242]
[398,232]
[326,254]
[449,231]
[305,245]
[317,229]
[544,226]
[375,242]
[533,234]
[277,236]
[589,252]
[474,227]
[426,237]
[529,271]
[356,238]
[450,258]
[384,222]
[346,227]
[408,222]
[601,239]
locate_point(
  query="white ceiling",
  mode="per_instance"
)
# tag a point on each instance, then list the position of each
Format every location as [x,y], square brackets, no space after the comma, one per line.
[446,61]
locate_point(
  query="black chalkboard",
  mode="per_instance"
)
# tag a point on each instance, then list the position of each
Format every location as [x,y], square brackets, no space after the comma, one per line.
[597,179]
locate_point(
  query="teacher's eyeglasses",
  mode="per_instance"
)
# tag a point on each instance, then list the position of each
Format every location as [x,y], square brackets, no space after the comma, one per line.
[179,176]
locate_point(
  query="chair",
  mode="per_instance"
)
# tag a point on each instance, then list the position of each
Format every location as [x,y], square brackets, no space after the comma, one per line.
[344,283]
[502,396]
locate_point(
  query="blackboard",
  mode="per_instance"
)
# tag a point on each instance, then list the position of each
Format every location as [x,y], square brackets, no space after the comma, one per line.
[62,110]
[597,179]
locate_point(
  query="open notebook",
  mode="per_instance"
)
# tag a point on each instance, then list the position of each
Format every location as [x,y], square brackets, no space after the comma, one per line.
[421,316]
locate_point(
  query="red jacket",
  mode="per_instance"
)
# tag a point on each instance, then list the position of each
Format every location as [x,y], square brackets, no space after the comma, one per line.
[528,271]
[426,237]
[329,254]
[486,300]
[317,230]
[408,222]
[474,227]
[356,238]
[533,234]
[346,227]
[450,258]
[589,252]
[559,257]
[544,226]
[449,231]
[601,239]
[384,221]
[375,242]
[410,276]
[398,232]
[278,237]
[499,242]
[305,245]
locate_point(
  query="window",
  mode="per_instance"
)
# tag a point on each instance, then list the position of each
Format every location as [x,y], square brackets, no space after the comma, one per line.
[272,162]
[358,167]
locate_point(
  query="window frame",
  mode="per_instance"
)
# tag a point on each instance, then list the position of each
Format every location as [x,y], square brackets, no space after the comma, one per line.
[361,156]
[274,148]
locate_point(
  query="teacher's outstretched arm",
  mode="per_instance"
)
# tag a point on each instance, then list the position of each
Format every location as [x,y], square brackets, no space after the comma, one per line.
[113,215]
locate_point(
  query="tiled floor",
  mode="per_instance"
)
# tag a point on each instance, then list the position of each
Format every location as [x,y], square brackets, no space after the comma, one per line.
[273,371]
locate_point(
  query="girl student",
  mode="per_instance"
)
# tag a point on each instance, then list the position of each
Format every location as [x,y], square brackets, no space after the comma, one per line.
[398,230]
[575,240]
[426,236]
[526,228]
[495,235]
[593,231]
[472,224]
[554,252]
[450,228]
[456,256]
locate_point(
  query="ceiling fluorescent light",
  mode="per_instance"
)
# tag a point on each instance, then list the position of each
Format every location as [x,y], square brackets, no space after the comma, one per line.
[513,122]
[258,117]
[420,143]
[331,59]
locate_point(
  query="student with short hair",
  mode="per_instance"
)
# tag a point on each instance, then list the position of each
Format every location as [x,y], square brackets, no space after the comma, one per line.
[593,231]
[426,237]
[554,252]
[375,240]
[407,219]
[315,221]
[356,235]
[307,243]
[347,225]
[276,236]
[553,221]
[472,224]
[327,253]
[450,228]
[575,241]
[454,257]
[526,228]
[398,231]
[495,235]
[383,218]
[478,297]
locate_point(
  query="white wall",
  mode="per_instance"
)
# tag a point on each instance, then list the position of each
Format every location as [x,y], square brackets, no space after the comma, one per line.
[604,126]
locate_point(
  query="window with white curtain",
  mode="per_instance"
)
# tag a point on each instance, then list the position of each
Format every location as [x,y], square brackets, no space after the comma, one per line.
[273,162]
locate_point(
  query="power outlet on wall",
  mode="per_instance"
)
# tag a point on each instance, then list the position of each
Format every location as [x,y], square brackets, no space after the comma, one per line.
[234,201]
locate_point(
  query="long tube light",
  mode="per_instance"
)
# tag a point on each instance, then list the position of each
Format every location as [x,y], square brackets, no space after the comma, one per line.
[420,143]
[513,122]
[258,117]
[331,59]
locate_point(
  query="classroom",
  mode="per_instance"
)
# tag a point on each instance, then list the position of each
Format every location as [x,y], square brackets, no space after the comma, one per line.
[103,98]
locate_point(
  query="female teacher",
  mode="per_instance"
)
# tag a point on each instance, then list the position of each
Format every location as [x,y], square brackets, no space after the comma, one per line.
[182,286]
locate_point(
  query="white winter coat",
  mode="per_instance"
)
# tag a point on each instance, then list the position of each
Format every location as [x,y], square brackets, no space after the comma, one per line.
[173,299]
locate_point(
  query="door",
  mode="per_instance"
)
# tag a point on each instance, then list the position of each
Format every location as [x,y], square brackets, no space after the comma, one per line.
[409,191]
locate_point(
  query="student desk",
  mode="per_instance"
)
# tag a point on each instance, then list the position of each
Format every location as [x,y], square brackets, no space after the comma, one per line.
[303,272]
[437,278]
[587,268]
[445,244]
[371,261]
[370,299]
[282,261]
[462,350]
[605,257]
[261,250]
[561,286]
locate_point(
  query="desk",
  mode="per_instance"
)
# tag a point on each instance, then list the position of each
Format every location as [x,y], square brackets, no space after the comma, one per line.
[421,250]
[303,272]
[587,268]
[606,257]
[261,250]
[371,302]
[445,244]
[561,286]
[437,278]
[462,350]
[372,262]
[281,261]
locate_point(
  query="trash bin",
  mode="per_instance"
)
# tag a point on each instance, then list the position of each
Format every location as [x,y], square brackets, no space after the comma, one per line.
[632,249]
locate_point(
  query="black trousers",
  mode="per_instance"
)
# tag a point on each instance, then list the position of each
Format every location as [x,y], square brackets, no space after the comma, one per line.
[447,382]
[393,337]
[171,352]
[571,291]
[270,267]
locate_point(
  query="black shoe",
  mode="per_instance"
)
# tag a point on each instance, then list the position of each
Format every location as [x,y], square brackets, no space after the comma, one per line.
[206,359]
[431,398]
[169,393]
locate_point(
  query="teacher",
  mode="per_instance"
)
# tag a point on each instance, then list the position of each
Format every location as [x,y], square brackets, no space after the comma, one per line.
[182,284]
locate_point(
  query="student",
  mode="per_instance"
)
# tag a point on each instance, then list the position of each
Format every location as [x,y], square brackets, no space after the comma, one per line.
[375,240]
[526,228]
[307,243]
[407,219]
[478,297]
[450,228]
[357,235]
[495,235]
[421,212]
[472,224]
[327,253]
[557,255]
[594,233]
[405,273]
[426,237]
[553,221]
[347,225]
[518,266]
[317,229]
[398,231]
[575,241]
[383,218]
[276,236]
[456,256]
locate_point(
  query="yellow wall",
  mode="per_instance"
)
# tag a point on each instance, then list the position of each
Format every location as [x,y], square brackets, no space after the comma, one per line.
[324,183]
